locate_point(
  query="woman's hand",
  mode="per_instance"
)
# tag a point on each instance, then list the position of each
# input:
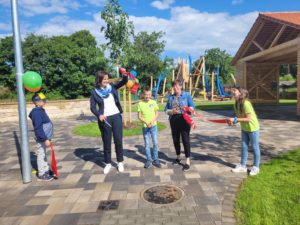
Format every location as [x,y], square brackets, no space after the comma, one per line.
[102,118]
[175,111]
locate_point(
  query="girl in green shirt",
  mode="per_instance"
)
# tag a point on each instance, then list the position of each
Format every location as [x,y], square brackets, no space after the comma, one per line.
[246,115]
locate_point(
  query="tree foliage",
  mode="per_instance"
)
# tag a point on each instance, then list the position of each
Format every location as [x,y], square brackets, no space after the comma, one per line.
[67,64]
[215,57]
[7,63]
[144,55]
[118,29]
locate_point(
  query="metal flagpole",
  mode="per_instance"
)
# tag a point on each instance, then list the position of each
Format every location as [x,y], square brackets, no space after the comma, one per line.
[26,165]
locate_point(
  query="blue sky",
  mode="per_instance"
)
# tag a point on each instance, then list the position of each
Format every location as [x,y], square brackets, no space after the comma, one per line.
[190,26]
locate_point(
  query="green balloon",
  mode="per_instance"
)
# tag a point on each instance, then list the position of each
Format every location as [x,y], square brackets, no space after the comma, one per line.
[136,80]
[32,80]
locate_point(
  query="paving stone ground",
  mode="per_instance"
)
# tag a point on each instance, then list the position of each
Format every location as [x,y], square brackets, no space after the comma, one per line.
[74,198]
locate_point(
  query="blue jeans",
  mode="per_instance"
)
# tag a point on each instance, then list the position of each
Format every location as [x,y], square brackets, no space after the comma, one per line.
[148,133]
[254,138]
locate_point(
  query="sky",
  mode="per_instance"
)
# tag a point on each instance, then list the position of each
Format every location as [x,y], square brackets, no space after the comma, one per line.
[190,26]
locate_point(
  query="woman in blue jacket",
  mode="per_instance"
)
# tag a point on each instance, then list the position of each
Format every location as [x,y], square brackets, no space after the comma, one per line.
[179,126]
[108,113]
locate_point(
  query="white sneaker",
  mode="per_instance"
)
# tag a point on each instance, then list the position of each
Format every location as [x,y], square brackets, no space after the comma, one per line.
[254,171]
[120,167]
[239,169]
[107,168]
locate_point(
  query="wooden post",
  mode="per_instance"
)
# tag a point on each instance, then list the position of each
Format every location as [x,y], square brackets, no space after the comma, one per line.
[203,80]
[298,79]
[151,83]
[190,79]
[124,106]
[129,103]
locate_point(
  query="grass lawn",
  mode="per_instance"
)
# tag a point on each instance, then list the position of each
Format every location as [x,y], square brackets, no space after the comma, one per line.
[273,196]
[92,130]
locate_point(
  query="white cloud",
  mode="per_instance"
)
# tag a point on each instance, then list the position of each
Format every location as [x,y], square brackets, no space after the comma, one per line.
[237,2]
[161,5]
[63,25]
[97,2]
[186,31]
[191,31]
[36,7]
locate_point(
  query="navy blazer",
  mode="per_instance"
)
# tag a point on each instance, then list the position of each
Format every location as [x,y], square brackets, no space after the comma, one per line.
[96,100]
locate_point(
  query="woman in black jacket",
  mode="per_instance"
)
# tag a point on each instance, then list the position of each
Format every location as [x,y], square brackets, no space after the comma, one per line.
[108,113]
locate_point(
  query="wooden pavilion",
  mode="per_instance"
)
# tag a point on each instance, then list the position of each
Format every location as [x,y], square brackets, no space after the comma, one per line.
[273,40]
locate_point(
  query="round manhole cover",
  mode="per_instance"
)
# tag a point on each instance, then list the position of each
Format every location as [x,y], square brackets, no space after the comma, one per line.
[163,194]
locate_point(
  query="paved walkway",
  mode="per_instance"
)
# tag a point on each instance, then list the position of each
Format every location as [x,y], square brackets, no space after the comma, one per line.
[74,198]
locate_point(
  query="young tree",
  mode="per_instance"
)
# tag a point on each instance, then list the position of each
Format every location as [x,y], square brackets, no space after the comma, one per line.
[145,56]
[118,30]
[215,57]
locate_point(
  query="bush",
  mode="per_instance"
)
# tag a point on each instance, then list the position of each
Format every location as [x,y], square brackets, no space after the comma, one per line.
[286,77]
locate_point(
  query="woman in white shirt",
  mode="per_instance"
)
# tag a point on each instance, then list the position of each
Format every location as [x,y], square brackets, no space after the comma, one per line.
[108,113]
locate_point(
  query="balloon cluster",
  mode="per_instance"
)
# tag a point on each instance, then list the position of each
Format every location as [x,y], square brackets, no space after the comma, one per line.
[32,81]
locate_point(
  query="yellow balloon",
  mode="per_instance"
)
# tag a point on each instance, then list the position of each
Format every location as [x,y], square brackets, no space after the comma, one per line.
[129,84]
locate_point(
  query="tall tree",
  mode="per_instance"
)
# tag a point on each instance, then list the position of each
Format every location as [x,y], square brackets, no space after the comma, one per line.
[215,57]
[118,29]
[66,64]
[144,55]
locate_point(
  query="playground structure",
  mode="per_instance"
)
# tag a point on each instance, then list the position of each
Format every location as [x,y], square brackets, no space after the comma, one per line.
[155,88]
[197,79]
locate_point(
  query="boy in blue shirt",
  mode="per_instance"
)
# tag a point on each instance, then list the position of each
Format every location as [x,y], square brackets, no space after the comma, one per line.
[43,130]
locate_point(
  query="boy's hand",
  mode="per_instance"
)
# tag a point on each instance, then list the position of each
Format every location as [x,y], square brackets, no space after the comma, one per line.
[47,143]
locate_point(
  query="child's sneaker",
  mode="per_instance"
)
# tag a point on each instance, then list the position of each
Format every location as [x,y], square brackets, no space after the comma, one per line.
[147,164]
[156,163]
[239,169]
[45,177]
[254,171]
[107,168]
[120,167]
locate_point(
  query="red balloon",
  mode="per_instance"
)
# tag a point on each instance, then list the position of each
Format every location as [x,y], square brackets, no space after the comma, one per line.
[122,70]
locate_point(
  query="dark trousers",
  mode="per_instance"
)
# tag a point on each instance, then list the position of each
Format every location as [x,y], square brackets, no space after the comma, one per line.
[180,127]
[116,130]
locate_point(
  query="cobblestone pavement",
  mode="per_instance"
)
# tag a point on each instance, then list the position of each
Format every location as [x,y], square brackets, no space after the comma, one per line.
[74,198]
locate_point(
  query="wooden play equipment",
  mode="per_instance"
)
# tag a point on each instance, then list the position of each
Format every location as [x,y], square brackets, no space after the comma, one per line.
[191,75]
[155,86]
[273,40]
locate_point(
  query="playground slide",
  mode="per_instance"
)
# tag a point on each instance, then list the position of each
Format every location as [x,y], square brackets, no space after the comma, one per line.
[219,84]
[156,88]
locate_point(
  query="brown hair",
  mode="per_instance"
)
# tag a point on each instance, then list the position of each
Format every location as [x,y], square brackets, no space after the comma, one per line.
[147,89]
[239,103]
[177,81]
[99,77]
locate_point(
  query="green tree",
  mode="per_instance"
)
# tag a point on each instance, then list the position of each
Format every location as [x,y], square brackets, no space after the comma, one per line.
[215,57]
[7,63]
[66,64]
[118,30]
[144,55]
